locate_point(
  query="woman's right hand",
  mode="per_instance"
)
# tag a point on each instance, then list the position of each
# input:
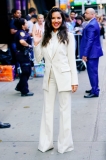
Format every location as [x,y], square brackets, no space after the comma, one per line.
[37,37]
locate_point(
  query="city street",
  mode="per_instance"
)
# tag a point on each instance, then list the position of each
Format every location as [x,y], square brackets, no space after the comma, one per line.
[20,142]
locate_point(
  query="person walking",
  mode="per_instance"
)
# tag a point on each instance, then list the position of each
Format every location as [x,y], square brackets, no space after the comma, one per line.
[90,51]
[23,46]
[57,46]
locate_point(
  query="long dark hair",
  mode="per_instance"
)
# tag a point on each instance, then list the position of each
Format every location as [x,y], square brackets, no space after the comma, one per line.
[62,32]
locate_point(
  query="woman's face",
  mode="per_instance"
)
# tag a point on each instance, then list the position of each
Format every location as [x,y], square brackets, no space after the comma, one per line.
[56,20]
[79,21]
[40,19]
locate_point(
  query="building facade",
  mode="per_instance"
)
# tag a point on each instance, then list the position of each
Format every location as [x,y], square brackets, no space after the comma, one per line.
[98,5]
[24,5]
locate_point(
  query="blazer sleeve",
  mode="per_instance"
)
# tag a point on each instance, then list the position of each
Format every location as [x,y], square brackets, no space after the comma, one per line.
[38,52]
[90,35]
[72,60]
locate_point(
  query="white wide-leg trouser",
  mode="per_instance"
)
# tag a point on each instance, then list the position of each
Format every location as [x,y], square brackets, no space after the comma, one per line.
[65,142]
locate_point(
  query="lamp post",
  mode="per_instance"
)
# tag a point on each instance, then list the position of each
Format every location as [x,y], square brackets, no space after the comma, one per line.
[57,3]
[101,7]
[83,7]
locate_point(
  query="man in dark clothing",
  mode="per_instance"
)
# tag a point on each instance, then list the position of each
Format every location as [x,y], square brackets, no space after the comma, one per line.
[13,30]
[32,11]
[91,51]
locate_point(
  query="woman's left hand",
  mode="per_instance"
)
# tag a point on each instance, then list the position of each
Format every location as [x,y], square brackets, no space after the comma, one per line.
[74,88]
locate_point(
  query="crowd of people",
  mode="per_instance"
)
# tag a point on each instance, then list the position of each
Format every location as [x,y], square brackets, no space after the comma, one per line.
[75,24]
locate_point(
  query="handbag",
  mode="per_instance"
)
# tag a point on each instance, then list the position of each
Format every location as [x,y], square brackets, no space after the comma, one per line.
[5,57]
[81,65]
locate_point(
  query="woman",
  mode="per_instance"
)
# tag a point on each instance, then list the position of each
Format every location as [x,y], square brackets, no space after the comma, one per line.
[68,23]
[102,30]
[58,48]
[78,31]
[23,44]
[78,27]
[39,25]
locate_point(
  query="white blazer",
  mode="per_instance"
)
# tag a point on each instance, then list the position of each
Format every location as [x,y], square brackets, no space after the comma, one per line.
[62,62]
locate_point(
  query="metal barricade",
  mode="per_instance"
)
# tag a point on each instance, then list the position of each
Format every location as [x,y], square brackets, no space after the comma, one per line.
[77,38]
[81,65]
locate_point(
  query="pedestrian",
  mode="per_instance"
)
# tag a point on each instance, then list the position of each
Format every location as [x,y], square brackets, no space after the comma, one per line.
[31,23]
[39,25]
[23,45]
[4,125]
[58,49]
[102,29]
[72,18]
[90,51]
[68,23]
[13,29]
[16,14]
[30,29]
[78,31]
[32,11]
[78,26]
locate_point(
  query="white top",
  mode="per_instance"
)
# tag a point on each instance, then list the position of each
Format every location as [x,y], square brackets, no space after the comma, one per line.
[38,27]
[52,42]
[30,26]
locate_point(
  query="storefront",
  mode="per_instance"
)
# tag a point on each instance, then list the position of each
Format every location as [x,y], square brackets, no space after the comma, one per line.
[41,5]
[101,6]
[98,5]
[19,4]
[24,5]
[77,5]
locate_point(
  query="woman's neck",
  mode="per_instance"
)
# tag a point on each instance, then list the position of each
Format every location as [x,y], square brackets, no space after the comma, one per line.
[40,24]
[55,30]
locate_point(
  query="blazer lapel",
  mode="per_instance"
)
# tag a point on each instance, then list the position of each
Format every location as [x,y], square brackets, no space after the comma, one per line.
[52,50]
[55,47]
[49,50]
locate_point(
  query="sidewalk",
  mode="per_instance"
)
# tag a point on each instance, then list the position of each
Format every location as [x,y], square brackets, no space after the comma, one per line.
[24,114]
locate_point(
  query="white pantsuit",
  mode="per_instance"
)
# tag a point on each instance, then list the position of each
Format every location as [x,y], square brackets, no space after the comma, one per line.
[60,74]
[65,142]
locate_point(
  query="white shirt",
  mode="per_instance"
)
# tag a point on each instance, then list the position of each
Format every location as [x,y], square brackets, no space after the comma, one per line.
[84,24]
[52,42]
[39,28]
[30,26]
[90,20]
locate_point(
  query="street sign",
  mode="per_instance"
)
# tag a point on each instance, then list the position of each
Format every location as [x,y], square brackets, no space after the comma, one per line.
[63,4]
[79,2]
[101,1]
